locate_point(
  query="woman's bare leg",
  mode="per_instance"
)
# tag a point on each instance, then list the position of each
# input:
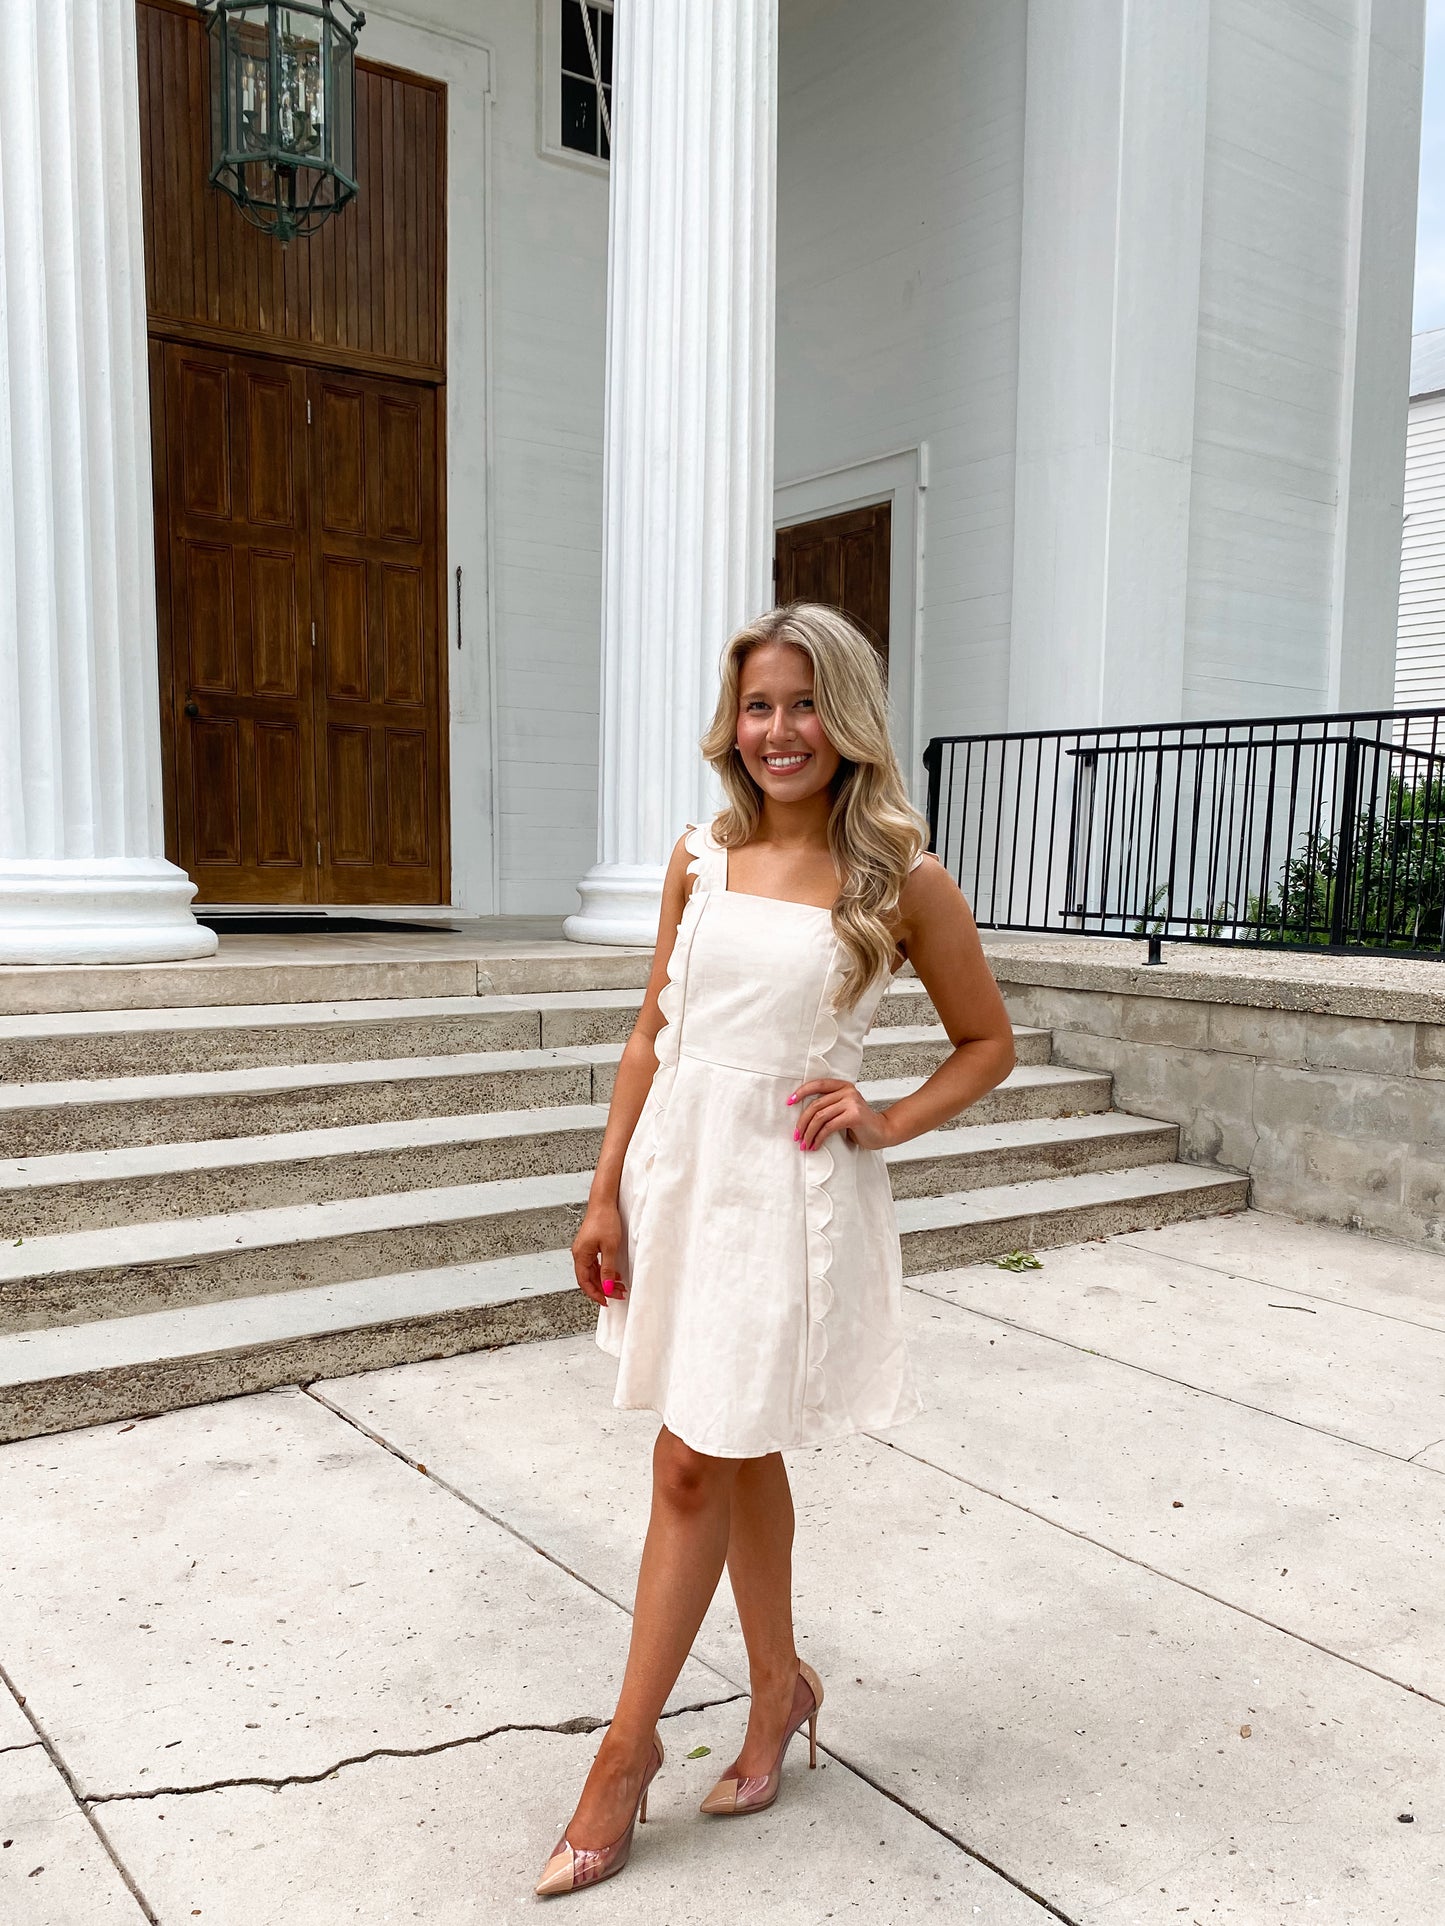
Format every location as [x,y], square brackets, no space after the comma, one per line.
[760,1571]
[682,1561]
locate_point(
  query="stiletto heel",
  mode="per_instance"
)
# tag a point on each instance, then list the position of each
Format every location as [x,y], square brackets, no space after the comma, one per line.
[755,1792]
[571,1866]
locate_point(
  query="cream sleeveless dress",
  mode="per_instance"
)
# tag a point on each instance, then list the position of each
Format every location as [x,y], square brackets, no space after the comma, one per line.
[765,1282]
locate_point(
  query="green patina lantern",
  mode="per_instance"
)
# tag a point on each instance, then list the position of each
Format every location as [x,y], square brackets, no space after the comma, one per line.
[283,109]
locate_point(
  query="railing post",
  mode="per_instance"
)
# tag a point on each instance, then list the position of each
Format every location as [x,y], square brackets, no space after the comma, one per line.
[932,762]
[1345,844]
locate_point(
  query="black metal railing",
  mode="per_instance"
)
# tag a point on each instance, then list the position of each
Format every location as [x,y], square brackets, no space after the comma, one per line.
[1321,830]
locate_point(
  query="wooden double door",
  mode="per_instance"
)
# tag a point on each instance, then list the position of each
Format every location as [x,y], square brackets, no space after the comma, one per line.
[302,628]
[843,561]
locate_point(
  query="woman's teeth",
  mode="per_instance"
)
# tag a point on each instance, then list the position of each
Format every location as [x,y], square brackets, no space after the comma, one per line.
[785,762]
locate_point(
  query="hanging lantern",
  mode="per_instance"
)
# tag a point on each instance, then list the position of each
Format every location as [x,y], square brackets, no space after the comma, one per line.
[283,109]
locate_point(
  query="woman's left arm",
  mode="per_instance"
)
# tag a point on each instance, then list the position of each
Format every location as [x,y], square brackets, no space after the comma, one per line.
[939,937]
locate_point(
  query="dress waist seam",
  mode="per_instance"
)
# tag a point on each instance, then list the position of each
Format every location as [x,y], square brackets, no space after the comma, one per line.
[747,1069]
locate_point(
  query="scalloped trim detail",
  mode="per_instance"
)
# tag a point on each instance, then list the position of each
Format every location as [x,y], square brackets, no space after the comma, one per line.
[818,1200]
[669,997]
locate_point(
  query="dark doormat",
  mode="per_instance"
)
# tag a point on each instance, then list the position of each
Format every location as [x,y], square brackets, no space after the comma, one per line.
[260,924]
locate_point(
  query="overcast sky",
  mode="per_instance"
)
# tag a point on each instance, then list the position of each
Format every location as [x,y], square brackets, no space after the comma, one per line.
[1430,242]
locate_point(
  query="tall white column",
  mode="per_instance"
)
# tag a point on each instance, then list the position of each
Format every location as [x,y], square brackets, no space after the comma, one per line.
[1114,128]
[688,472]
[1375,389]
[83,876]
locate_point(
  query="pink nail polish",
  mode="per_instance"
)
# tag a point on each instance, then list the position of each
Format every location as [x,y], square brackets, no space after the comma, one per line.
[792,1100]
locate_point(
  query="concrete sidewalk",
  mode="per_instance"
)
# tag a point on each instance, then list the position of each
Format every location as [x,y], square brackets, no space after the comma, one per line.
[1143,1622]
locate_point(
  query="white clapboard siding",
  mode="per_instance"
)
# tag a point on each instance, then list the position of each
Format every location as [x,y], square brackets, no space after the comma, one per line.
[1420,649]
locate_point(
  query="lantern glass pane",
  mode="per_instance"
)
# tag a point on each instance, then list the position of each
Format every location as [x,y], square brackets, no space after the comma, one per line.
[341,125]
[248,72]
[300,84]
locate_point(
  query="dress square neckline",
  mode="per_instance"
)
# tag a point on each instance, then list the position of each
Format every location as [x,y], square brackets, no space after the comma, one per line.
[752,896]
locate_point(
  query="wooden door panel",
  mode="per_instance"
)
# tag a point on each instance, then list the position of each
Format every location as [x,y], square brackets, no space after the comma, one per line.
[238,619]
[343,473]
[281,758]
[204,422]
[348,789]
[844,562]
[215,759]
[208,584]
[376,550]
[344,641]
[402,633]
[275,636]
[399,468]
[270,471]
[406,796]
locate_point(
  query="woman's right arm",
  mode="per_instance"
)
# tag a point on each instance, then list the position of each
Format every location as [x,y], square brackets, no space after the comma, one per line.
[597,1248]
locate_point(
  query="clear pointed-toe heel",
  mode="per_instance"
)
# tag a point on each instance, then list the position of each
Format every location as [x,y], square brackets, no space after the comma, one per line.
[572,1866]
[755,1792]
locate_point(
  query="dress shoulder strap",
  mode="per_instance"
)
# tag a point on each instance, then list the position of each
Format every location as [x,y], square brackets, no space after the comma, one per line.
[708,858]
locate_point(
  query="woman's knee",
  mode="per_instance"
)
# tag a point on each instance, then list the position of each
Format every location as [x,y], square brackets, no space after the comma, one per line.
[687,1480]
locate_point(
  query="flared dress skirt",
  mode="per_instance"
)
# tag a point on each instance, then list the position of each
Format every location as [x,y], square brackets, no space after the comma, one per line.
[765,1282]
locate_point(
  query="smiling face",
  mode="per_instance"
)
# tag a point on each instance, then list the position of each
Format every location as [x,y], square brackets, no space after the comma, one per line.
[779,736]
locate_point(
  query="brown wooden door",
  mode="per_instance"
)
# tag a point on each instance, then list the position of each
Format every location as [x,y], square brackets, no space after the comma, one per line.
[376,573]
[232,429]
[298,425]
[302,604]
[843,562]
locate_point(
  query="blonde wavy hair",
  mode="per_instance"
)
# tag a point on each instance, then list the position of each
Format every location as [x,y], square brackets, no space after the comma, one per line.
[874,832]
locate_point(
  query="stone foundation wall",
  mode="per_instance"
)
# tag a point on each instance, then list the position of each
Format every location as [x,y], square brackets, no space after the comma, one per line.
[1337,1114]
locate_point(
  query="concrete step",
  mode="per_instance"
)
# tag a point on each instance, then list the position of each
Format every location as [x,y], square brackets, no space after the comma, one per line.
[144,1183]
[939,1233]
[944,1162]
[86,1045]
[54,1379]
[281,969]
[42,1119]
[80,1276]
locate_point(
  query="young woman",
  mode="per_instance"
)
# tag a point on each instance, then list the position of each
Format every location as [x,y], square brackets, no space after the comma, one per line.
[740,1234]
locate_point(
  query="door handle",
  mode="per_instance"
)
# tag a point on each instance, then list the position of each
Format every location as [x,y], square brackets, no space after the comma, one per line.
[192,710]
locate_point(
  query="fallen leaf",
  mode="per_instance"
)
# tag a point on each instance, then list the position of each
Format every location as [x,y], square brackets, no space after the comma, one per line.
[699,1752]
[1246,1731]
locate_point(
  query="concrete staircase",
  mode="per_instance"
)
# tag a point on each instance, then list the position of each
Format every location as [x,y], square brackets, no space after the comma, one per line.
[198,1202]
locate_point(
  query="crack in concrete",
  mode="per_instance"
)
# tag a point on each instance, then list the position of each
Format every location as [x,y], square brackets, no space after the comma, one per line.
[568,1727]
[1130,1238]
[1156,1571]
[1421,1453]
[934,1825]
[52,1752]
[1163,1377]
[884,1791]
[25,1745]
[492,1517]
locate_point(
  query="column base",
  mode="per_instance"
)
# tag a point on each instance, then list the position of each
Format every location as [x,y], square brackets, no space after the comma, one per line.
[99,910]
[621,904]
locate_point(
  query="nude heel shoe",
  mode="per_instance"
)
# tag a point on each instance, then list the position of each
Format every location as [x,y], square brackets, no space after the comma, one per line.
[755,1792]
[572,1866]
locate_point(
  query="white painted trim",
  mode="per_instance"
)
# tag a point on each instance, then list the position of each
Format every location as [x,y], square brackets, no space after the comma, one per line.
[436,28]
[466,64]
[549,90]
[901,479]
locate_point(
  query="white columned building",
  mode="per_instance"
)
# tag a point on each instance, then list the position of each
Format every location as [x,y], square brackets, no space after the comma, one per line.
[688,461]
[1083,323]
[1113,180]
[83,875]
